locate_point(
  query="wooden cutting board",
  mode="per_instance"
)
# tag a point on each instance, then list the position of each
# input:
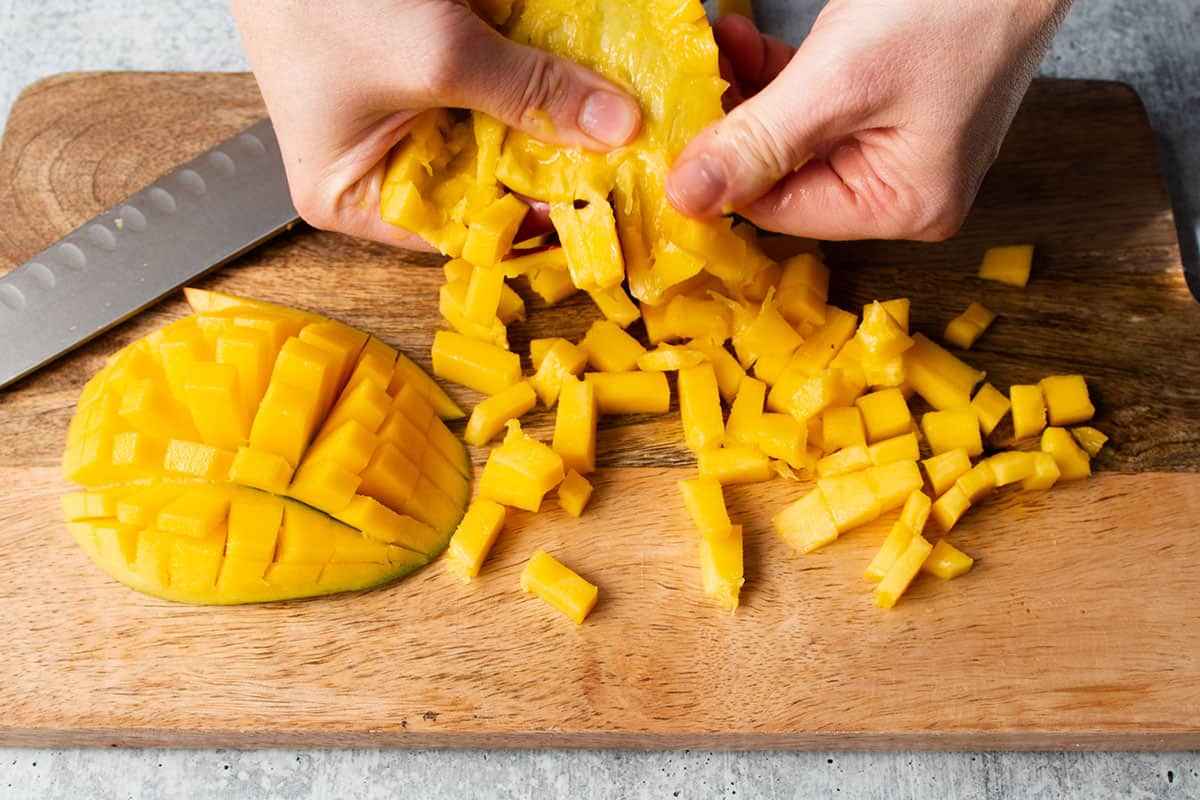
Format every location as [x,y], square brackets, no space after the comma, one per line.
[1077,627]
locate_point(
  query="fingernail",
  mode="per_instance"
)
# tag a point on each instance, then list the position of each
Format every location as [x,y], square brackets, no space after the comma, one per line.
[609,118]
[696,187]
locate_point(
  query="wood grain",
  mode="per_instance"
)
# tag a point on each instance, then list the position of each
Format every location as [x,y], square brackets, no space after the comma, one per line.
[1072,631]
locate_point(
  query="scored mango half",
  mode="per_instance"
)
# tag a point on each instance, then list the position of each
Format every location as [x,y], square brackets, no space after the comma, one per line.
[450,180]
[251,452]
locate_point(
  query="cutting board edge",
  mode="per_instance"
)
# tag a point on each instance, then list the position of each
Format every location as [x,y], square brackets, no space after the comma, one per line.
[1045,741]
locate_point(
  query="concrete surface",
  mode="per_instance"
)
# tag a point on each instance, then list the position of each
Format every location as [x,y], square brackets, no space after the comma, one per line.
[1149,45]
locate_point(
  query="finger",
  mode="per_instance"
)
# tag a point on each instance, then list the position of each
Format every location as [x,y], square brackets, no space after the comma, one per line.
[754,57]
[846,196]
[547,96]
[737,159]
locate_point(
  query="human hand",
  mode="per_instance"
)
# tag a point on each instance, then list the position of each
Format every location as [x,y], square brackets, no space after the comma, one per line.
[881,124]
[344,81]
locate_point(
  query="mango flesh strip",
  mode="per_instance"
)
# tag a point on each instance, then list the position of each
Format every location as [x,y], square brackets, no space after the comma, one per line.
[251,452]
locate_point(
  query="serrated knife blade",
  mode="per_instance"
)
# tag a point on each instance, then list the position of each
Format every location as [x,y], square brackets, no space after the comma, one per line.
[195,218]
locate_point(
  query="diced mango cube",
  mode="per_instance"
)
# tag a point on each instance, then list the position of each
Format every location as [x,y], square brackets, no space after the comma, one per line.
[1045,473]
[729,371]
[535,260]
[195,511]
[349,445]
[490,234]
[378,522]
[884,414]
[589,240]
[1010,264]
[214,398]
[1090,439]
[721,568]
[253,526]
[575,425]
[730,465]
[477,365]
[630,392]
[843,427]
[916,511]
[990,405]
[893,483]
[705,503]
[899,310]
[781,436]
[285,420]
[851,500]
[948,509]
[261,470]
[670,358]
[898,578]
[367,403]
[1067,400]
[559,586]
[849,459]
[965,329]
[950,430]
[197,460]
[574,493]
[944,380]
[945,468]
[822,345]
[946,561]
[562,359]
[325,485]
[610,349]
[977,482]
[474,537]
[1073,462]
[552,285]
[767,332]
[407,373]
[689,317]
[141,506]
[805,396]
[489,417]
[615,305]
[898,448]
[807,524]
[1012,466]
[747,408]
[889,552]
[1028,411]
[700,407]
[520,471]
[881,337]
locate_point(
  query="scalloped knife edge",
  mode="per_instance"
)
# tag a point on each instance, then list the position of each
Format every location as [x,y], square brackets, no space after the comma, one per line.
[192,220]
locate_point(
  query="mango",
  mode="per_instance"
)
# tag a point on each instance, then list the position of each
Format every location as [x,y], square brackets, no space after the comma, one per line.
[214,477]
[1010,264]
[559,586]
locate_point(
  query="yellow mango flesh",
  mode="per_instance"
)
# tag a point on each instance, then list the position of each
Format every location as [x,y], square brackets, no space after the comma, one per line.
[222,482]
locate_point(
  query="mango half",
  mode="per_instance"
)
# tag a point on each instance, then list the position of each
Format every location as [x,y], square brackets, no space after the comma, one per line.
[251,452]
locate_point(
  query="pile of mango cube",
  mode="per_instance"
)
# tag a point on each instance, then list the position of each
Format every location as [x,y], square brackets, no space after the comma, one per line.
[771,382]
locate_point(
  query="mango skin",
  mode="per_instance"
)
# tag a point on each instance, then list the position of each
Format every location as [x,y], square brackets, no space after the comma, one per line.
[304,459]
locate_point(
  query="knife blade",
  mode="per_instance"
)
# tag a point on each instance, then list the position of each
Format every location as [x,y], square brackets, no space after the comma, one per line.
[195,218]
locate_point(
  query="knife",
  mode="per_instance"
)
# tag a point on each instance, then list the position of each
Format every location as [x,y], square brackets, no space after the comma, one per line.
[197,217]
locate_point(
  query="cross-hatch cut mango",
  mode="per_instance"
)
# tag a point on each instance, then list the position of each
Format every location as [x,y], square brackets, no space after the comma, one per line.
[251,452]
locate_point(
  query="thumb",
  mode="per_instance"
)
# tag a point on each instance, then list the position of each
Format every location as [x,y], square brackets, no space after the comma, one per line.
[546,96]
[739,158]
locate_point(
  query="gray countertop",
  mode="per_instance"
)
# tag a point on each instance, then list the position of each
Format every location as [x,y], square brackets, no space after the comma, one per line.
[1151,45]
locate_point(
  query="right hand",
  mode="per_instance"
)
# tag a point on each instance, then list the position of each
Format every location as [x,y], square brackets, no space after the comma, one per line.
[344,81]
